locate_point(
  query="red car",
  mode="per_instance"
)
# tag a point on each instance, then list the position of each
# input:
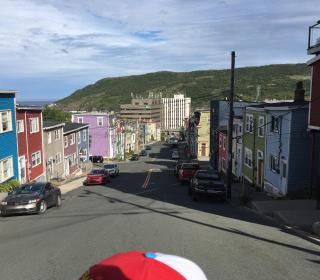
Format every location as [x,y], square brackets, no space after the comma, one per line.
[187,171]
[97,177]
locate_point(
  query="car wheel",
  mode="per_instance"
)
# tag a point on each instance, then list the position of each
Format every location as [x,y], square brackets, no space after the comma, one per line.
[59,201]
[42,207]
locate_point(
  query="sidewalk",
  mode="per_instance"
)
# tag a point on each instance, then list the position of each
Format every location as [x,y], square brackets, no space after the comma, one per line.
[65,188]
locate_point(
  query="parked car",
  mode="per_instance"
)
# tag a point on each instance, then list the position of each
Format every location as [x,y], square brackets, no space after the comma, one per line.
[143,153]
[148,147]
[31,198]
[97,177]
[134,157]
[207,183]
[187,171]
[112,169]
[175,155]
[96,159]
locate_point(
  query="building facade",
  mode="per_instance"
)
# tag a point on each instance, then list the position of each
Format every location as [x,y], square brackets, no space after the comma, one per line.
[71,160]
[8,137]
[53,144]
[31,159]
[237,147]
[173,113]
[99,131]
[222,135]
[203,136]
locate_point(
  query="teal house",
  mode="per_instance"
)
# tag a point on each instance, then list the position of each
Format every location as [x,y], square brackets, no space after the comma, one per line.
[8,137]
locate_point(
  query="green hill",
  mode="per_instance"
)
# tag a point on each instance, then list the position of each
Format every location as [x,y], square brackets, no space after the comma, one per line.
[276,81]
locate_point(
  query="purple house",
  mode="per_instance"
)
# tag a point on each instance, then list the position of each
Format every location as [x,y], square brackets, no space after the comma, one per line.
[99,131]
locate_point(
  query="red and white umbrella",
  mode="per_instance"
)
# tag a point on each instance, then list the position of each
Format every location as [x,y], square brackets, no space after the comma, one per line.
[139,265]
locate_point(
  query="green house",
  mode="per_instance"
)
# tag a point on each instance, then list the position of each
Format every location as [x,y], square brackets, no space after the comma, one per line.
[254,145]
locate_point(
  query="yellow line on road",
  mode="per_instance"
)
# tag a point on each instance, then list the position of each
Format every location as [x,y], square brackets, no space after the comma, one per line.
[146,182]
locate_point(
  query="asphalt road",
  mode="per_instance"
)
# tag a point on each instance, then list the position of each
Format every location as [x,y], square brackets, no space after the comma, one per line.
[145,208]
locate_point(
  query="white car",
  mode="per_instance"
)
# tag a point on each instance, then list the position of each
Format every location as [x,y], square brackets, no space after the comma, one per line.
[175,155]
[112,169]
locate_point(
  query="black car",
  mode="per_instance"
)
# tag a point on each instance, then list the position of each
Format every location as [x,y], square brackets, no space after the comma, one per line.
[31,198]
[209,183]
[143,153]
[134,157]
[96,159]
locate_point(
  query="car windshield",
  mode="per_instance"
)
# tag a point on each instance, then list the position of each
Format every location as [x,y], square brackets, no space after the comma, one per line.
[208,176]
[97,171]
[109,166]
[28,189]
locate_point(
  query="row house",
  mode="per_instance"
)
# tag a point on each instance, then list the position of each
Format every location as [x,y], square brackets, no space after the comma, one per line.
[237,147]
[99,132]
[74,151]
[203,135]
[222,135]
[30,144]
[8,137]
[53,149]
[314,107]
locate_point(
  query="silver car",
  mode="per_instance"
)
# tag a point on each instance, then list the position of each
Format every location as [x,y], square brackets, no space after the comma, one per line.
[112,169]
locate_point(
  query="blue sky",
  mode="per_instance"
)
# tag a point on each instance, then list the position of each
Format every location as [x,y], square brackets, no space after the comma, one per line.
[51,48]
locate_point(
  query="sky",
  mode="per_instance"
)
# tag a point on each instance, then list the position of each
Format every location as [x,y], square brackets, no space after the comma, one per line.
[50,48]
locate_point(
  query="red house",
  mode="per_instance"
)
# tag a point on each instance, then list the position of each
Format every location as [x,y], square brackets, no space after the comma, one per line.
[30,147]
[222,149]
[314,109]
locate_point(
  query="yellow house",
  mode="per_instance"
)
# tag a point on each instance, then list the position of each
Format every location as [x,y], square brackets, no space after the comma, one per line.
[204,135]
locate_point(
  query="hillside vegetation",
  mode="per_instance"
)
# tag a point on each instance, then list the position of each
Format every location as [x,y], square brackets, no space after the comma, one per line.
[275,81]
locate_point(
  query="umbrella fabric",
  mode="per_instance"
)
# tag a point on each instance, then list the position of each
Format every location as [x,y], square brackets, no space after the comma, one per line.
[139,265]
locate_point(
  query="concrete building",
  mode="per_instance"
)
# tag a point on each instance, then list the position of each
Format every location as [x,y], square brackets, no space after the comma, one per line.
[142,109]
[173,113]
[53,149]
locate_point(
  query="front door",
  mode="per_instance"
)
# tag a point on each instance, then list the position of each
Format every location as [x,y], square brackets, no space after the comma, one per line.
[22,169]
[203,150]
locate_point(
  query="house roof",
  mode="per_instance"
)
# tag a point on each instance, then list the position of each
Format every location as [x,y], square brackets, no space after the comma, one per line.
[72,127]
[52,124]
[223,129]
[30,108]
[285,104]
[8,91]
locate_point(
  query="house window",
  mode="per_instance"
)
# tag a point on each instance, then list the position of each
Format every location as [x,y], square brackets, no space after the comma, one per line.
[36,159]
[261,127]
[58,158]
[274,164]
[249,123]
[20,126]
[248,157]
[5,121]
[275,123]
[80,119]
[79,137]
[240,129]
[6,169]
[72,139]
[49,137]
[84,135]
[57,134]
[34,125]
[100,121]
[66,141]
[284,169]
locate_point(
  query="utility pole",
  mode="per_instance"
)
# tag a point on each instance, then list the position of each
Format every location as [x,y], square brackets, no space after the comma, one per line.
[230,126]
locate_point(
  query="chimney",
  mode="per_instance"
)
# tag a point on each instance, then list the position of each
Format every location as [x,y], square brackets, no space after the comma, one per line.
[299,92]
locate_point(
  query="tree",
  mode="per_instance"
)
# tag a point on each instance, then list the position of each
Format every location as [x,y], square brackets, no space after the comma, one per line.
[55,114]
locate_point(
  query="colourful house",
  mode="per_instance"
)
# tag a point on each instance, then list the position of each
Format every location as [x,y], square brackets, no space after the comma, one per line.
[253,153]
[237,147]
[222,135]
[30,144]
[203,135]
[8,137]
[99,132]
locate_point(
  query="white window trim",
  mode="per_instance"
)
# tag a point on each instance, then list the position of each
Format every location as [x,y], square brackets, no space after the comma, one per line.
[72,139]
[57,132]
[261,126]
[79,137]
[9,121]
[30,123]
[270,165]
[66,143]
[21,122]
[38,152]
[59,156]
[2,178]
[249,118]
[80,118]
[244,161]
[99,118]
[84,135]
[49,137]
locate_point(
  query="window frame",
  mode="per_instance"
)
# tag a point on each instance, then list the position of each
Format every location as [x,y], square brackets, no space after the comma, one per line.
[49,137]
[8,121]
[274,164]
[57,134]
[98,121]
[80,118]
[84,135]
[10,169]
[79,137]
[66,141]
[38,160]
[20,126]
[261,126]
[248,152]
[31,125]
[275,120]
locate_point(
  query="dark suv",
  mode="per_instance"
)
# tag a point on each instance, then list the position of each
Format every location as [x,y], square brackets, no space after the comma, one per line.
[209,183]
[95,159]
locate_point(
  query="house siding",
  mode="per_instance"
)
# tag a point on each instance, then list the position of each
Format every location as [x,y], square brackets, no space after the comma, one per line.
[314,120]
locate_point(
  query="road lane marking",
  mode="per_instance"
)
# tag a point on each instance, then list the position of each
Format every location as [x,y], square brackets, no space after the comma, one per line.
[146,182]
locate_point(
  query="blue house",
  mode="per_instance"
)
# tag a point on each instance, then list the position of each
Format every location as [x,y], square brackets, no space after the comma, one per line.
[287,147]
[8,137]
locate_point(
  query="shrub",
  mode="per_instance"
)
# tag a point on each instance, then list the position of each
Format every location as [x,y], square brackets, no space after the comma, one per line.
[9,186]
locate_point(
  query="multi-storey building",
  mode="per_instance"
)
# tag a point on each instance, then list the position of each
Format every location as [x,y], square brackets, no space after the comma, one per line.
[53,149]
[142,109]
[203,139]
[8,137]
[173,113]
[30,144]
